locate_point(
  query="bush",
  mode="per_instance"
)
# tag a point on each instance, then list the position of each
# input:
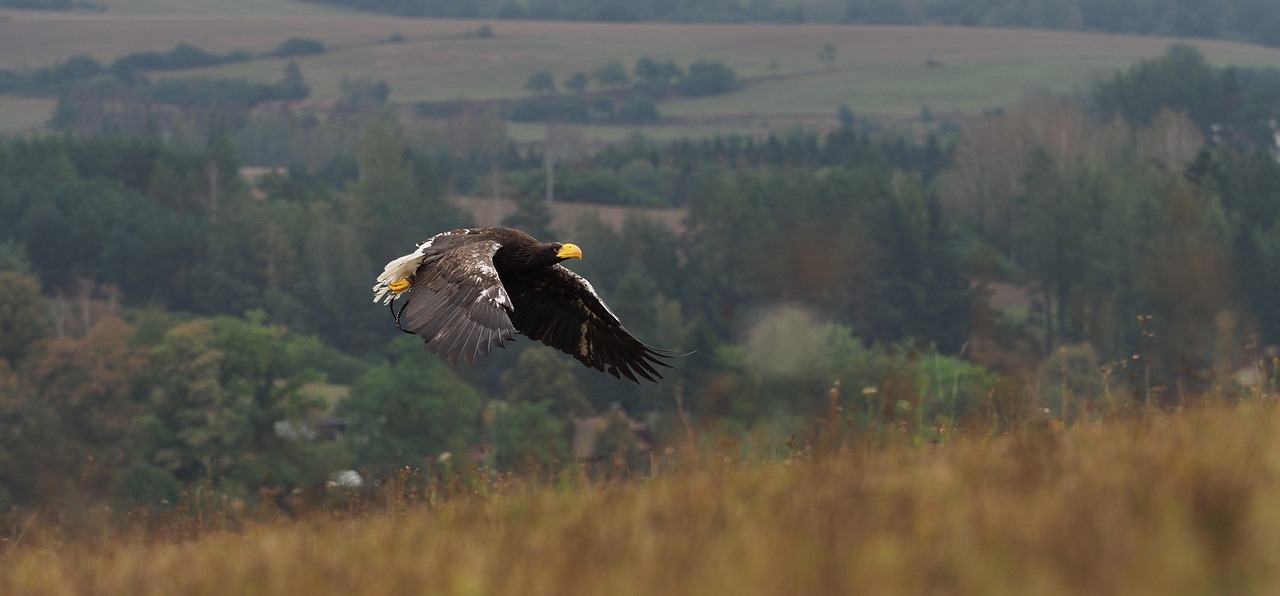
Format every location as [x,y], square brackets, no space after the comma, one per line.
[708,78]
[638,110]
[181,56]
[145,484]
[527,434]
[297,46]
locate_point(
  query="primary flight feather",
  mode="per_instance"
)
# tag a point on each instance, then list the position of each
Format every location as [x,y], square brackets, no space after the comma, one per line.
[466,291]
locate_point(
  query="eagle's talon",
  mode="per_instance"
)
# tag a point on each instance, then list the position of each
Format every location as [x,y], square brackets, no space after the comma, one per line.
[399,286]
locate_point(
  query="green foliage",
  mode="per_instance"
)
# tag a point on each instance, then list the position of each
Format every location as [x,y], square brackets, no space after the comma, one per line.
[1228,104]
[532,215]
[656,77]
[577,82]
[182,56]
[207,92]
[707,77]
[23,318]
[221,389]
[145,484]
[1072,381]
[1242,185]
[267,364]
[828,55]
[541,83]
[297,46]
[787,244]
[388,203]
[637,110]
[361,94]
[39,4]
[952,389]
[292,85]
[24,478]
[543,376]
[51,80]
[410,411]
[792,364]
[13,258]
[588,186]
[861,242]
[611,75]
[528,435]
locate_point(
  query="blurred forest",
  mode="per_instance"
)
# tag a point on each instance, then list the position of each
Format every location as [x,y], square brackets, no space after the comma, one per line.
[167,321]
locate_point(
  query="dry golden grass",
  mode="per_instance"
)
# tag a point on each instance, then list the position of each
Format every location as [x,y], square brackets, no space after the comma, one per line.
[1177,503]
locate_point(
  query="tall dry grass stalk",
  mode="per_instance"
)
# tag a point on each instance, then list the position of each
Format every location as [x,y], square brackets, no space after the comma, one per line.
[1152,503]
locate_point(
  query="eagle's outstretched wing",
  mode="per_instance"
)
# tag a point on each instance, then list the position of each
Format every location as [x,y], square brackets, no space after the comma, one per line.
[559,308]
[457,304]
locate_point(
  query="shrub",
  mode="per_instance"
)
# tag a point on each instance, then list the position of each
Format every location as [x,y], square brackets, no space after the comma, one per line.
[297,46]
[708,78]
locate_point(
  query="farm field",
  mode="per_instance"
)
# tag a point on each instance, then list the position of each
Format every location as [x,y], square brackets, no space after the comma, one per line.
[221,7]
[1148,503]
[879,71]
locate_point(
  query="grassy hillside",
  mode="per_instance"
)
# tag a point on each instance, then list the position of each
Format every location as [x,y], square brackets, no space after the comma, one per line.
[878,70]
[1155,503]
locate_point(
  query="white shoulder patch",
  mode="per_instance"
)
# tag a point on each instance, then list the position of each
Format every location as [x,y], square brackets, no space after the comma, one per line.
[429,241]
[397,270]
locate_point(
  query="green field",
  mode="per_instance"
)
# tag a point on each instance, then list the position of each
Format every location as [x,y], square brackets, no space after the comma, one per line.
[878,71]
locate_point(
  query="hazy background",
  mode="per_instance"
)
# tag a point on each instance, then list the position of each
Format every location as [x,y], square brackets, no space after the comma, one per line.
[931,214]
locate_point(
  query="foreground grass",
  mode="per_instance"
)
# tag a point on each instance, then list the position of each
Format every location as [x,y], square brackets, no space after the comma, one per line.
[1181,503]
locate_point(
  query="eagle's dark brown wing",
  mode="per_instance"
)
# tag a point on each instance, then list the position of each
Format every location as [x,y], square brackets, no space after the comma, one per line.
[457,304]
[560,309]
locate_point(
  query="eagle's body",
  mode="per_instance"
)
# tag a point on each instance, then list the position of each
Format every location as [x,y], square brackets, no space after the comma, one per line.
[469,290]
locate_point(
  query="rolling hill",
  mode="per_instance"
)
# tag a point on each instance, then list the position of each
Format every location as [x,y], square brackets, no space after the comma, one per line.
[887,71]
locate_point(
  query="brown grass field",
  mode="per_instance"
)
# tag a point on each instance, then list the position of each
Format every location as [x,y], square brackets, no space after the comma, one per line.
[878,71]
[1147,502]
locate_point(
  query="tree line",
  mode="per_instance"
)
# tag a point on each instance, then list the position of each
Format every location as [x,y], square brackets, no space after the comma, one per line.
[648,80]
[184,324]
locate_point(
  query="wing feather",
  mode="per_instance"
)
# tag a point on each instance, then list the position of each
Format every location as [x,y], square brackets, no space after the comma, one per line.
[559,308]
[455,295]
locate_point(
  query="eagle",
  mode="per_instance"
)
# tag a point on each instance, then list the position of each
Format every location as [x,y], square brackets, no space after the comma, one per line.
[465,291]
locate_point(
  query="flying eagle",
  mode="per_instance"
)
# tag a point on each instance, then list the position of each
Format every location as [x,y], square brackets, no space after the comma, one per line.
[466,291]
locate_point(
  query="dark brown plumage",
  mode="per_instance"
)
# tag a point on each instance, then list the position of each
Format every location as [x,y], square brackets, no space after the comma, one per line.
[466,291]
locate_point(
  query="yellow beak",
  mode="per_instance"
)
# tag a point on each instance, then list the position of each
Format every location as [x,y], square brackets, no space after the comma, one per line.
[570,251]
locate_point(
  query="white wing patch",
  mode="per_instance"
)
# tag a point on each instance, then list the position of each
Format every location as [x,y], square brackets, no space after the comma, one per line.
[497,296]
[402,267]
[584,340]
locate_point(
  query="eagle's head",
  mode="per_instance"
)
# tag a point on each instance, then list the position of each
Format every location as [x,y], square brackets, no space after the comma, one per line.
[557,252]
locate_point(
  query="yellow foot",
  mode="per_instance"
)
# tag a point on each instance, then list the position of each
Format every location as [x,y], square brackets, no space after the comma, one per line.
[399,286]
